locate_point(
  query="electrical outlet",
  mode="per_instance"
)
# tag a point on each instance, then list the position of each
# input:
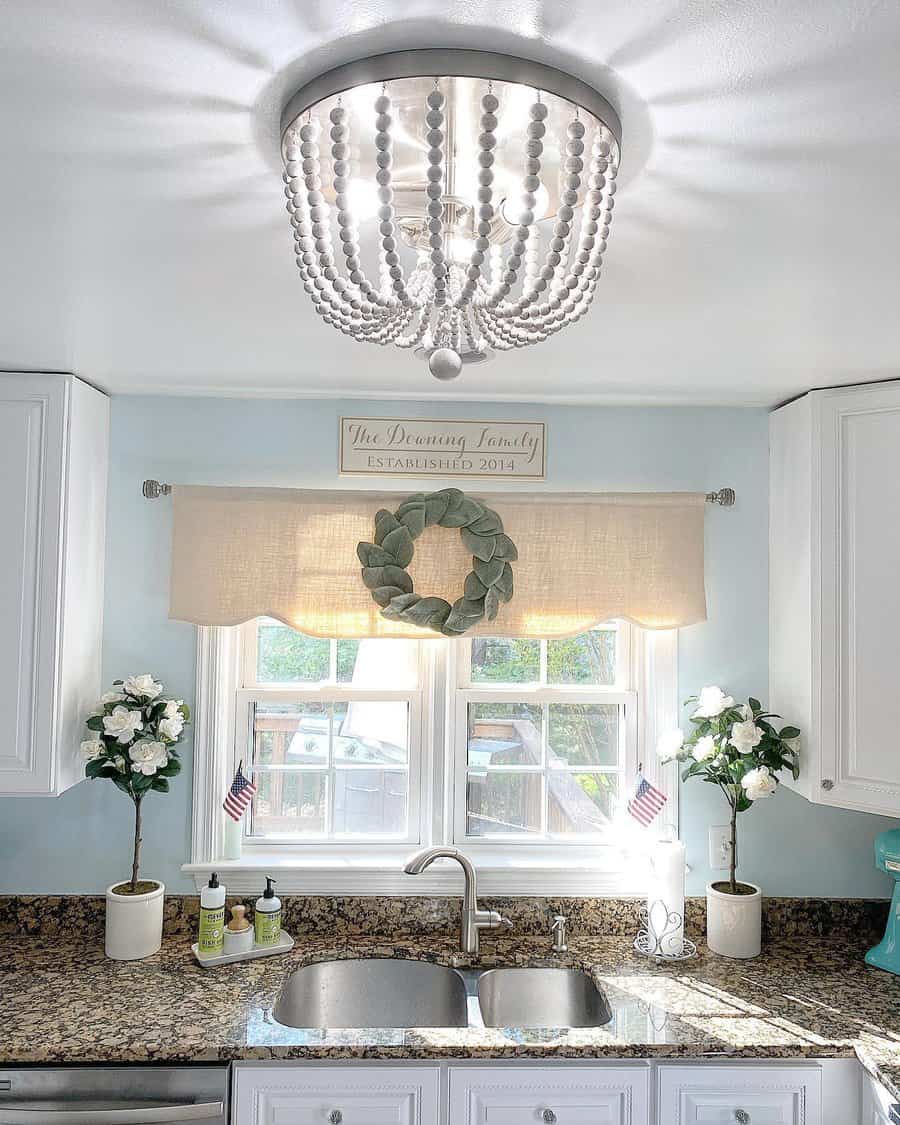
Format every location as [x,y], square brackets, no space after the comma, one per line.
[720,847]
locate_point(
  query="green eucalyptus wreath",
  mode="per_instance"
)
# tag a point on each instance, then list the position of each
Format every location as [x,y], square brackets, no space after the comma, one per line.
[384,562]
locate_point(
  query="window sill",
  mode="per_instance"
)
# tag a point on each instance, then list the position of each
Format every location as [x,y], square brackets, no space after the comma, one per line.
[590,875]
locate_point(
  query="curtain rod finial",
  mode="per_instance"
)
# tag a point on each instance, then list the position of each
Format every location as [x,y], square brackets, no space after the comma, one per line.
[724,496]
[152,489]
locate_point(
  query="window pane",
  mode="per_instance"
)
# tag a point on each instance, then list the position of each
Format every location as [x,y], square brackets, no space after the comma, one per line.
[294,734]
[505,660]
[370,802]
[504,734]
[382,663]
[583,734]
[289,803]
[503,803]
[284,656]
[589,658]
[371,732]
[580,802]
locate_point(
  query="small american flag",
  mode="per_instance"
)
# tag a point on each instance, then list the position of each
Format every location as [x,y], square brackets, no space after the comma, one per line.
[239,795]
[646,803]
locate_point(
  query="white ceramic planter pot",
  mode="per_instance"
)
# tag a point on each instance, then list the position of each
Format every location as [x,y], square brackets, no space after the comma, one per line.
[734,922]
[134,923]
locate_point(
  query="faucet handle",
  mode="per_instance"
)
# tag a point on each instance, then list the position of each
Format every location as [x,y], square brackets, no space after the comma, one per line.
[491,920]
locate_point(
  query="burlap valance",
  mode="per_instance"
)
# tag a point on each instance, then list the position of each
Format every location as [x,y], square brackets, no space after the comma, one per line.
[239,553]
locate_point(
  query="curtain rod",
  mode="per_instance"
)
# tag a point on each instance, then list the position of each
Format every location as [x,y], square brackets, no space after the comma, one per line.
[153,489]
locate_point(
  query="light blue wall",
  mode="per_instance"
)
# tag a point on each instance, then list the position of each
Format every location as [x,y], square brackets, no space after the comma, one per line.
[80,842]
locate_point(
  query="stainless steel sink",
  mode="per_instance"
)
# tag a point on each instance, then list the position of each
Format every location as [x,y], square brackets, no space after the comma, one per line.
[541,998]
[372,992]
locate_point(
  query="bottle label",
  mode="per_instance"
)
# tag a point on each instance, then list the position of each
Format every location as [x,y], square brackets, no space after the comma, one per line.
[212,930]
[267,927]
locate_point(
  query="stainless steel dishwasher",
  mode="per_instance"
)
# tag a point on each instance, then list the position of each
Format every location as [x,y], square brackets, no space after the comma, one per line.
[114,1095]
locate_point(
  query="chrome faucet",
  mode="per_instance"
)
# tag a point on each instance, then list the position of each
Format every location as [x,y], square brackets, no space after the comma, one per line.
[473,919]
[559,923]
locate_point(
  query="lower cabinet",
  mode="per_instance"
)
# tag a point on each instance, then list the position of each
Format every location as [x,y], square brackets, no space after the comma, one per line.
[502,1095]
[740,1095]
[284,1094]
[572,1092]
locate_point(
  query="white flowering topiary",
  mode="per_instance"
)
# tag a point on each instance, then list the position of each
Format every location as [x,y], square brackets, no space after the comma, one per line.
[134,738]
[735,746]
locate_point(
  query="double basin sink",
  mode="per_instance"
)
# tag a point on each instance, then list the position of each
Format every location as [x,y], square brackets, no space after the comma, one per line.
[384,992]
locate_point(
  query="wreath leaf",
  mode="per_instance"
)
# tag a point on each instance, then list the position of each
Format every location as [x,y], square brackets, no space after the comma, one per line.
[414,520]
[504,548]
[375,576]
[481,546]
[370,555]
[489,572]
[399,543]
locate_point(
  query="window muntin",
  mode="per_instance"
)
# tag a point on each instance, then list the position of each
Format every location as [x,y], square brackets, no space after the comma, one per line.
[545,737]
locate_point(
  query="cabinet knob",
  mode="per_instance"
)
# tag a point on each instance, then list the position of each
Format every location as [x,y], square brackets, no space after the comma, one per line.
[548,1117]
[335,1117]
[827,784]
[742,1117]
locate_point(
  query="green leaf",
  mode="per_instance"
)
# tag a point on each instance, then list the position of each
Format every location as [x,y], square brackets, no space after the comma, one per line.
[429,613]
[481,546]
[185,712]
[504,548]
[382,595]
[436,504]
[491,603]
[488,524]
[755,705]
[417,500]
[121,783]
[94,768]
[504,584]
[491,572]
[789,732]
[95,722]
[399,544]
[463,514]
[140,782]
[474,589]
[375,576]
[371,555]
[385,523]
[172,768]
[160,784]
[399,605]
[463,615]
[414,521]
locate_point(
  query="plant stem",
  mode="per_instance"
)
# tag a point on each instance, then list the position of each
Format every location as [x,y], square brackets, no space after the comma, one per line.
[734,813]
[137,844]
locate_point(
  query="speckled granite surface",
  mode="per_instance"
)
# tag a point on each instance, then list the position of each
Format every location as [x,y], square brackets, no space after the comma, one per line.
[804,997]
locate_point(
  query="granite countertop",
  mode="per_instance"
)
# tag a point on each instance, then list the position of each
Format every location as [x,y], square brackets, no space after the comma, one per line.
[804,997]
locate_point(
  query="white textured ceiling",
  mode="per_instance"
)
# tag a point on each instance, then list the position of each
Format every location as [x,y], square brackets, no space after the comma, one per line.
[755,252]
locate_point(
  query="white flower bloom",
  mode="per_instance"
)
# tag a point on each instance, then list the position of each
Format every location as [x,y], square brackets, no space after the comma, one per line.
[147,757]
[744,736]
[111,697]
[669,744]
[171,728]
[119,763]
[712,702]
[171,709]
[90,749]
[705,748]
[123,724]
[758,783]
[746,712]
[142,687]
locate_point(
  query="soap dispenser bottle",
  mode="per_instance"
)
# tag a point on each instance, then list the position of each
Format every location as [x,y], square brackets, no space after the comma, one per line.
[267,919]
[211,940]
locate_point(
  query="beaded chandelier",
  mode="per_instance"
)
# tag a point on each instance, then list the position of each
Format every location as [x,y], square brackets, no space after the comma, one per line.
[478,187]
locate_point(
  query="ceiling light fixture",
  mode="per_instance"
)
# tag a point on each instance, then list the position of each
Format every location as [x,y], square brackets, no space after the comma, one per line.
[487,182]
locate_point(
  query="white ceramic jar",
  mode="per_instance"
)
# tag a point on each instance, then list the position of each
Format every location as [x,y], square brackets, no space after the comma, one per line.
[134,923]
[734,922]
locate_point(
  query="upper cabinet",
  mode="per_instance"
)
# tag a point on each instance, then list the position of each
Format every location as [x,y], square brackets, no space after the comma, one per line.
[54,433]
[834,590]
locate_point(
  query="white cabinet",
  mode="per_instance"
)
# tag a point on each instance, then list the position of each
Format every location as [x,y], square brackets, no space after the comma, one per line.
[878,1107]
[53,466]
[740,1095]
[834,590]
[560,1095]
[342,1094]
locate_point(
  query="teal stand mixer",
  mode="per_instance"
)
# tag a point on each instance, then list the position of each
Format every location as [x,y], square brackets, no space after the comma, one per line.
[886,954]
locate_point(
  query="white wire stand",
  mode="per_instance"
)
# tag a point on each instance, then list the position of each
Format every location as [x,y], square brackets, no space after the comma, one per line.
[651,942]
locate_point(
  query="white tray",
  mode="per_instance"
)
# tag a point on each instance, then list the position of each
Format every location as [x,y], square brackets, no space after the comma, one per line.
[285,943]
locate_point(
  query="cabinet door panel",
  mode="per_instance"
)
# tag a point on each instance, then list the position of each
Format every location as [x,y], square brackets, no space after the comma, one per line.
[860,597]
[339,1095]
[749,1095]
[548,1096]
[31,445]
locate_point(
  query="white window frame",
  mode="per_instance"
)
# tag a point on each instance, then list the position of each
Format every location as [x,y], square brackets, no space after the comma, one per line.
[375,866]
